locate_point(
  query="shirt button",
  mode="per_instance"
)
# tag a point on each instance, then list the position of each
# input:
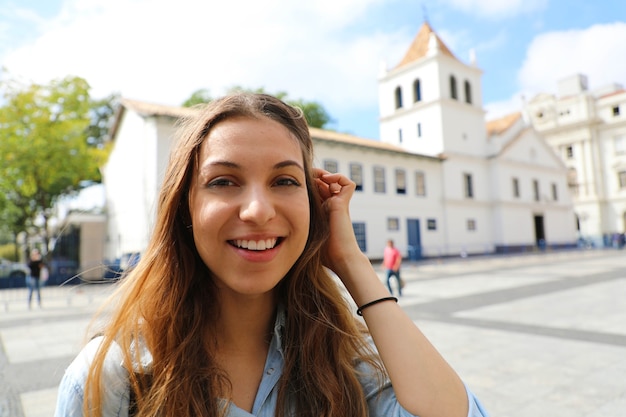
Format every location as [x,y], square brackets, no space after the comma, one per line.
[270,371]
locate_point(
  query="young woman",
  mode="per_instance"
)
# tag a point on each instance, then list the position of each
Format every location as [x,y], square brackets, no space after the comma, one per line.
[231,310]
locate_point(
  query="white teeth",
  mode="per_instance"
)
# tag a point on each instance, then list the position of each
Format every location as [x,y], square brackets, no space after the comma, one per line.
[256,244]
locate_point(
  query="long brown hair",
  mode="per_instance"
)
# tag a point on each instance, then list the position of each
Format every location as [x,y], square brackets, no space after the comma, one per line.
[168,304]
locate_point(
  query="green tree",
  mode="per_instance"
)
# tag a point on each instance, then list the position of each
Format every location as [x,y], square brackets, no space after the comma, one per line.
[44,149]
[101,114]
[315,114]
[198,97]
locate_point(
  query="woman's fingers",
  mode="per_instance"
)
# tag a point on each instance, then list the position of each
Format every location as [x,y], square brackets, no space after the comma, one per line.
[331,184]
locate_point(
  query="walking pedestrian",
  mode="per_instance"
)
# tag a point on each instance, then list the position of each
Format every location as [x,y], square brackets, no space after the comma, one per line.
[33,281]
[392,260]
[231,310]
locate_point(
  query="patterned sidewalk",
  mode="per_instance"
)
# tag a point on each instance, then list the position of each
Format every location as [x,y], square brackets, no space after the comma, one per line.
[534,335]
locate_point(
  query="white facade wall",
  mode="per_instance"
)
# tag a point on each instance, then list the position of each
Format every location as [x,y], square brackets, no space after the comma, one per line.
[125,189]
[377,210]
[462,239]
[133,175]
[428,141]
[464,129]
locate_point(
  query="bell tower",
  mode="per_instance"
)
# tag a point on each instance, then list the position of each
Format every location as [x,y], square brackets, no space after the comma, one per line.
[431,102]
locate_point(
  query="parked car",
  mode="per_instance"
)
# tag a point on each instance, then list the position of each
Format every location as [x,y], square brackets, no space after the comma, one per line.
[10,269]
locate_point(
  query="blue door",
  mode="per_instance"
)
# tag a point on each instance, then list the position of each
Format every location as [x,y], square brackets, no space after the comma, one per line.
[415,242]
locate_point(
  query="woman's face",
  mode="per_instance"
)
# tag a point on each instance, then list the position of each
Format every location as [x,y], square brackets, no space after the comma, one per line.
[249,204]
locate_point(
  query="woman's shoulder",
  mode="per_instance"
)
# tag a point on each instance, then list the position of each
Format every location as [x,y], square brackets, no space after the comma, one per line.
[114,377]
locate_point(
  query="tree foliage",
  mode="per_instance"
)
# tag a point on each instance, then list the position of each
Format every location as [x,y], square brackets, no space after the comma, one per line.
[198,97]
[101,113]
[44,147]
[315,114]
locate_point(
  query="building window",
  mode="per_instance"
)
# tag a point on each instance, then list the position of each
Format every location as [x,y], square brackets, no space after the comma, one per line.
[393,223]
[619,143]
[468,92]
[569,151]
[331,166]
[453,93]
[379,179]
[622,179]
[471,224]
[400,181]
[361,237]
[615,110]
[417,91]
[536,190]
[467,182]
[398,97]
[400,135]
[419,130]
[356,175]
[431,224]
[555,192]
[515,187]
[420,183]
[572,180]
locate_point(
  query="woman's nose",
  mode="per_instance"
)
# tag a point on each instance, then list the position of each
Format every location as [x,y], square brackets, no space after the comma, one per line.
[257,207]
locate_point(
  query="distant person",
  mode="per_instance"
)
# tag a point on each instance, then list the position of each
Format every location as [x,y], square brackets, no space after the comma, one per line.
[231,311]
[33,281]
[392,260]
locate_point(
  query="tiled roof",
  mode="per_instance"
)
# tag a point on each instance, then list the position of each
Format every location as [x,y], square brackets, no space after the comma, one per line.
[614,93]
[347,139]
[150,109]
[419,47]
[498,126]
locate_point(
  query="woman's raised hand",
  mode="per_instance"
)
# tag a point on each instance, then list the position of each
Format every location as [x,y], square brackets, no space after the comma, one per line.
[336,190]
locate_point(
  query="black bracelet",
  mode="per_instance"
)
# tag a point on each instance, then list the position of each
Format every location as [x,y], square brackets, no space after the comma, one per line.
[359,310]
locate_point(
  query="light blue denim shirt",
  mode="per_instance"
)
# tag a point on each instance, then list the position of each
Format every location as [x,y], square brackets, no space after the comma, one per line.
[381,400]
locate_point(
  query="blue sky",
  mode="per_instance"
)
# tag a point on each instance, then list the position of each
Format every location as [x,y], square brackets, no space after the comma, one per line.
[329,51]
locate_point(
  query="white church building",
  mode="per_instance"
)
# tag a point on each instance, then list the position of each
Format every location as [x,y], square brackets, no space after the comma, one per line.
[439,182]
[587,129]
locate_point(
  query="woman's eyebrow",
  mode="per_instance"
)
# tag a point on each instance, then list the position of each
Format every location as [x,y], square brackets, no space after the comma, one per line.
[289,163]
[222,163]
[233,165]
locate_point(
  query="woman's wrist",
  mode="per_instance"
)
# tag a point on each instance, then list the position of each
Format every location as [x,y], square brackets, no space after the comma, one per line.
[359,310]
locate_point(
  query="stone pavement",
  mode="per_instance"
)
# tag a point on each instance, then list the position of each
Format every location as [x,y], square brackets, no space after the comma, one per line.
[539,334]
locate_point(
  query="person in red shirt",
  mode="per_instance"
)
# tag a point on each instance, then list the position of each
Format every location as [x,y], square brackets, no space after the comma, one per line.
[392,259]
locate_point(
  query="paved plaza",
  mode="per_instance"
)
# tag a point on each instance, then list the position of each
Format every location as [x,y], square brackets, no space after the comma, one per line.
[540,334]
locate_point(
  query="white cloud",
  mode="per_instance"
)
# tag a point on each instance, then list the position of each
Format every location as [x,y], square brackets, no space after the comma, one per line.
[597,52]
[496,9]
[162,51]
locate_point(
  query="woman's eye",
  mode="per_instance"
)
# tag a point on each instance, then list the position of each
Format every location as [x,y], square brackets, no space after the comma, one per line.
[287,182]
[220,182]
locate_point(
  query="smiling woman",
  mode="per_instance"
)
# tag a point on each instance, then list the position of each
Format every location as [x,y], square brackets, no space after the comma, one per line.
[249,204]
[232,310]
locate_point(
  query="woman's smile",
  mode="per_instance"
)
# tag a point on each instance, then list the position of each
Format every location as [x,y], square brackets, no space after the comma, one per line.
[255,245]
